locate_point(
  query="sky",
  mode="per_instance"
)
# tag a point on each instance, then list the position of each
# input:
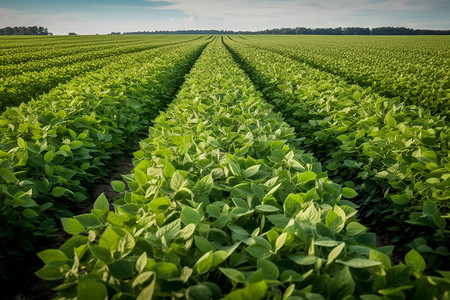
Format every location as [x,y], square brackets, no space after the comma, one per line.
[102,16]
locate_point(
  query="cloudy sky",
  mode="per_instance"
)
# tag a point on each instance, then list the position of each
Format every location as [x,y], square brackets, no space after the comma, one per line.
[104,16]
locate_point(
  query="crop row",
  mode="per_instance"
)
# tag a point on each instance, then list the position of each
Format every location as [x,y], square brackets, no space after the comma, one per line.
[13,45]
[21,88]
[54,148]
[17,58]
[413,68]
[222,204]
[395,155]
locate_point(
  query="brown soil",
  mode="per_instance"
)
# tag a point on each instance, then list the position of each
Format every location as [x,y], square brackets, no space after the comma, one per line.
[385,240]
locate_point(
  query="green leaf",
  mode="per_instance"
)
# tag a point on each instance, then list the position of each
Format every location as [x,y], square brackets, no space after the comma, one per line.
[118,186]
[200,292]
[332,166]
[381,257]
[72,226]
[166,270]
[121,269]
[430,209]
[177,181]
[280,241]
[51,255]
[335,253]
[266,208]
[203,244]
[291,276]
[49,156]
[58,191]
[204,263]
[88,220]
[21,143]
[160,205]
[359,263]
[190,215]
[355,228]
[304,260]
[29,213]
[50,272]
[233,274]
[269,269]
[91,289]
[204,186]
[258,251]
[341,285]
[101,202]
[415,260]
[140,176]
[399,199]
[101,253]
[349,193]
[8,176]
[254,291]
[234,168]
[249,172]
[307,176]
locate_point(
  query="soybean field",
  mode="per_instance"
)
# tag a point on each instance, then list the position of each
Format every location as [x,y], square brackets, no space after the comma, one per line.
[262,167]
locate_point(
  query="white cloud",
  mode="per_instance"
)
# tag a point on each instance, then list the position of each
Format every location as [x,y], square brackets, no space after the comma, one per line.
[262,14]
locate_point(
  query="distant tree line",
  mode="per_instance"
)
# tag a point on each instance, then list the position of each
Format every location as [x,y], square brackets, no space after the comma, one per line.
[24,30]
[304,30]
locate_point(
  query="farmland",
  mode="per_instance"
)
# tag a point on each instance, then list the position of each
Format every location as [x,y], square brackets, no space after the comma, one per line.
[264,167]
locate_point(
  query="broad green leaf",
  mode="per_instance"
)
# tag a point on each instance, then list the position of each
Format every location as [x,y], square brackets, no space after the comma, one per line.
[160,205]
[51,255]
[415,260]
[307,176]
[121,269]
[269,269]
[190,215]
[304,260]
[101,202]
[204,263]
[266,208]
[249,172]
[341,285]
[72,226]
[166,270]
[349,193]
[58,191]
[118,186]
[141,177]
[177,181]
[335,253]
[233,274]
[29,213]
[254,291]
[280,241]
[381,257]
[359,263]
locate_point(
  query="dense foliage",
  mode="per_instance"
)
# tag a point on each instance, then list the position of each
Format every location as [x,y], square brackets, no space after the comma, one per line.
[222,203]
[264,179]
[412,68]
[24,30]
[26,75]
[53,148]
[395,155]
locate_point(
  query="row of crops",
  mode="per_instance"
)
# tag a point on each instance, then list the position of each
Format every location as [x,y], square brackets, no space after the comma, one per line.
[21,80]
[263,179]
[55,148]
[412,68]
[222,203]
[393,154]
